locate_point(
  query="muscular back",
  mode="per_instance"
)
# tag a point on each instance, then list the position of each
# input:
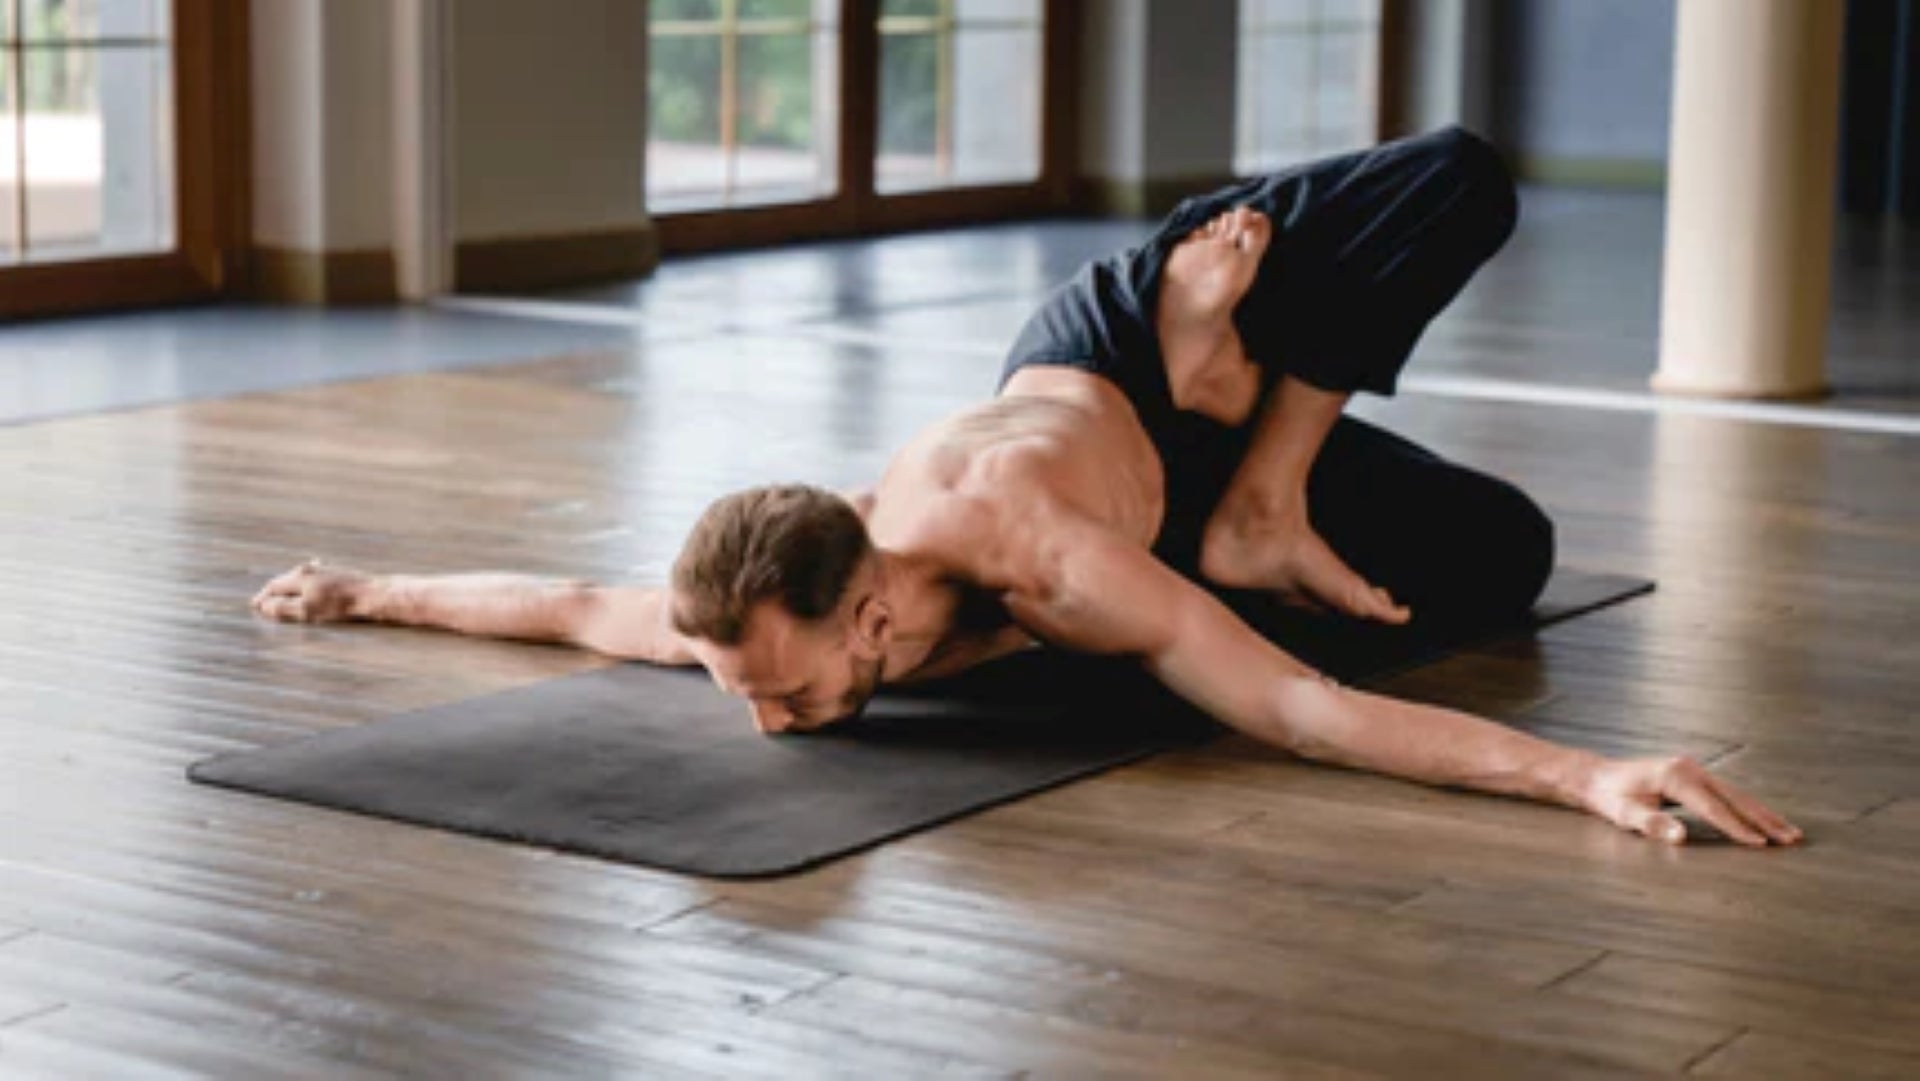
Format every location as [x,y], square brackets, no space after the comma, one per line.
[1055,436]
[971,500]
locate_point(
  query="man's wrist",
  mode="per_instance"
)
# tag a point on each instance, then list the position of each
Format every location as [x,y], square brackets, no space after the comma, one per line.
[370,598]
[1569,775]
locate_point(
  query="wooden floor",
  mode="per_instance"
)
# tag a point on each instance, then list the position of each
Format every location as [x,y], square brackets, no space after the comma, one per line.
[1218,913]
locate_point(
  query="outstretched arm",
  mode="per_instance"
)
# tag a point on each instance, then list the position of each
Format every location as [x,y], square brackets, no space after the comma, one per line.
[1091,590]
[627,622]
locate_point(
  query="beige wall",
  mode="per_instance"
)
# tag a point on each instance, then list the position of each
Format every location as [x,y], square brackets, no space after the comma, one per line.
[1156,99]
[546,141]
[549,117]
[286,124]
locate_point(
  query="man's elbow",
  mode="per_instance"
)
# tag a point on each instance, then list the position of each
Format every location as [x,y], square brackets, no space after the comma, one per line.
[1302,713]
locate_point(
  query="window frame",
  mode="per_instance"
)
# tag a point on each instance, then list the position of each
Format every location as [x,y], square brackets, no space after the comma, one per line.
[856,207]
[209,75]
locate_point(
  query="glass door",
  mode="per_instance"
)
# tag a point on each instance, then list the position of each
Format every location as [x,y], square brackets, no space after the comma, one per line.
[775,120]
[742,102]
[110,173]
[1309,80]
[960,101]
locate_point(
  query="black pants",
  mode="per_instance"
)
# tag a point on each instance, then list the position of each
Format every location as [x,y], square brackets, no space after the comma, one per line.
[1367,249]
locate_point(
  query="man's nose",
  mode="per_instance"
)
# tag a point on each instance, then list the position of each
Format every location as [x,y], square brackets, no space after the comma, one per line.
[771,718]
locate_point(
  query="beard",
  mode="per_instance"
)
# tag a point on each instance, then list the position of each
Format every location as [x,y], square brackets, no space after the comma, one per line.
[866,683]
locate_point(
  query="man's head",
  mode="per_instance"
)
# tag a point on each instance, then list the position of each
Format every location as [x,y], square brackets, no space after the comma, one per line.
[779,591]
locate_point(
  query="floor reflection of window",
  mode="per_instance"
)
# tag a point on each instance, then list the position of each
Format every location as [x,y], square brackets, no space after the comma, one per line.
[1308,80]
[743,102]
[86,128]
[959,93]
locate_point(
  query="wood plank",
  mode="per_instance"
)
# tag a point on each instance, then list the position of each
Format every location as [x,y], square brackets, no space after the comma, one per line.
[1784,1006]
[1763,1054]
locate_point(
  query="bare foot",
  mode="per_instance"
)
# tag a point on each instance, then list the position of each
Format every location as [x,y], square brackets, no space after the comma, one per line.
[312,593]
[1280,551]
[1206,275]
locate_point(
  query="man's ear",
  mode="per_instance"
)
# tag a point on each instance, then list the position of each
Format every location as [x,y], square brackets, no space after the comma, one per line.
[872,624]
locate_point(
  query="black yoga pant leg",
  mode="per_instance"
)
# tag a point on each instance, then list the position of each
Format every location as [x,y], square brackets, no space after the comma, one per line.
[1367,249]
[1455,544]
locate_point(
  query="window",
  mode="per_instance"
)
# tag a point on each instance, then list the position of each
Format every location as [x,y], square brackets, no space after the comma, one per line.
[1309,77]
[743,102]
[776,120]
[959,93]
[87,165]
[123,152]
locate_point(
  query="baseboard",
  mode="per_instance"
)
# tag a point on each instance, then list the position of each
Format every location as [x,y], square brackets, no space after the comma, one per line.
[514,264]
[1146,198]
[1628,174]
[294,276]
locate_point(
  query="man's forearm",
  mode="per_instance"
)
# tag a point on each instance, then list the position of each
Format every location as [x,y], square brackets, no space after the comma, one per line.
[488,605]
[1436,746]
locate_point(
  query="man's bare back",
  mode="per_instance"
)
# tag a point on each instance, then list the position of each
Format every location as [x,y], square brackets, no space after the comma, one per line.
[961,505]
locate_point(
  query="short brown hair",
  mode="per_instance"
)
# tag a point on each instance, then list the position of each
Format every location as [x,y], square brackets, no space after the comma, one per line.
[793,543]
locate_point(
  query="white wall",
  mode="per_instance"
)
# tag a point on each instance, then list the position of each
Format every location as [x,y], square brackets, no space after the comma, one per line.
[1192,57]
[1588,79]
[550,117]
[1448,78]
[1157,89]
[549,120]
[285,104]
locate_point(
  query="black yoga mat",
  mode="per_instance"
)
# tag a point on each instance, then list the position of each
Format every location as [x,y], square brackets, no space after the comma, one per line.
[655,766]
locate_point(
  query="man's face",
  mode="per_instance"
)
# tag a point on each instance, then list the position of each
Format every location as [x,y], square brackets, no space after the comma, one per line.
[795,676]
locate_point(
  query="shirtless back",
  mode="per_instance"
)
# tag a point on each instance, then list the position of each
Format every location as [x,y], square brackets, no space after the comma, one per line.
[963,507]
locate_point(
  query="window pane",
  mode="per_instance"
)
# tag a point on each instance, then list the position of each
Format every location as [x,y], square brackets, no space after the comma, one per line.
[775,9]
[960,105]
[684,157]
[1280,111]
[1349,13]
[1308,80]
[1345,87]
[678,10]
[9,164]
[909,108]
[87,19]
[1024,11]
[742,113]
[910,8]
[996,106]
[780,152]
[1292,14]
[99,151]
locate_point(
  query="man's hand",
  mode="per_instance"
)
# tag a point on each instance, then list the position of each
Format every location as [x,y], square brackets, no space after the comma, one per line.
[1278,549]
[312,593]
[1630,794]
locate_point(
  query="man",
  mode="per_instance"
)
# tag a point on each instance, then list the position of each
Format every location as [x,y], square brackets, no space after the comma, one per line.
[1172,415]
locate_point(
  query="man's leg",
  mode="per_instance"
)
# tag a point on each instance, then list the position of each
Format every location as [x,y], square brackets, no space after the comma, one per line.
[1372,247]
[1455,545]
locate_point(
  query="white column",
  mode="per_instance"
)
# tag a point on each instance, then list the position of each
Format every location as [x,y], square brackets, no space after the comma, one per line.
[1750,176]
[423,93]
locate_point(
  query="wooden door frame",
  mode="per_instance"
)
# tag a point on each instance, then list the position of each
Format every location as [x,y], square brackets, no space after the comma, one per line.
[211,176]
[855,209]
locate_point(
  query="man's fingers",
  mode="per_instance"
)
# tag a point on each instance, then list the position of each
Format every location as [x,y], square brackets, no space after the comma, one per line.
[286,607]
[1653,824]
[1752,810]
[1690,791]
